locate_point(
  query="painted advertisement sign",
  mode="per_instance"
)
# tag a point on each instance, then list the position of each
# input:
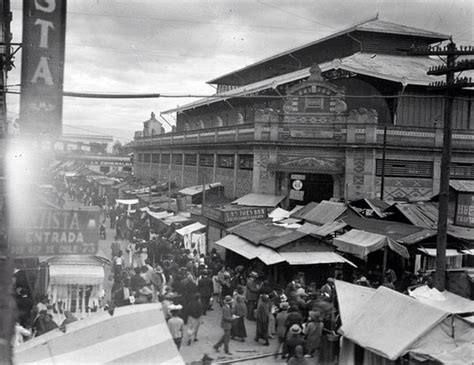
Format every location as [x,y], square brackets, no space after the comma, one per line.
[465,210]
[52,232]
[42,66]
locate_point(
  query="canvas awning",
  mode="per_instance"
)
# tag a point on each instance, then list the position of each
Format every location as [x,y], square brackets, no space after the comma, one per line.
[135,334]
[70,274]
[445,300]
[249,250]
[190,229]
[159,215]
[127,201]
[312,258]
[361,243]
[175,219]
[432,252]
[259,200]
[194,190]
[350,298]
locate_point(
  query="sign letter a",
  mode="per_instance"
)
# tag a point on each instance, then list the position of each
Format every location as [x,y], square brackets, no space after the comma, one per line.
[43,71]
[49,7]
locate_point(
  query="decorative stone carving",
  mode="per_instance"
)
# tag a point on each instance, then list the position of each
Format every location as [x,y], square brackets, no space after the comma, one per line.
[363,116]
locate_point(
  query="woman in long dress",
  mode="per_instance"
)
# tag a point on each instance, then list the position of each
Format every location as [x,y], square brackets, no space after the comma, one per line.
[239,309]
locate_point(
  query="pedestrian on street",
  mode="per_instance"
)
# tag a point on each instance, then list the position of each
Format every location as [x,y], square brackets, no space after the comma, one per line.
[176,324]
[262,318]
[226,324]
[194,311]
[280,321]
[205,288]
[239,309]
[115,247]
[251,295]
[295,339]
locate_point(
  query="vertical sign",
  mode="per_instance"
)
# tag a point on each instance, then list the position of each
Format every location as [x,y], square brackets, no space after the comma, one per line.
[42,66]
[464,210]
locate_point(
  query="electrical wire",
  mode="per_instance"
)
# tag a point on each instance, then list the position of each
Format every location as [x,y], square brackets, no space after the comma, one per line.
[223,97]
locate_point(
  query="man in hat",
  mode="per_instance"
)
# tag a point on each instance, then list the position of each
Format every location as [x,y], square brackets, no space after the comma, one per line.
[158,281]
[328,290]
[280,322]
[295,339]
[252,295]
[176,324]
[205,288]
[226,324]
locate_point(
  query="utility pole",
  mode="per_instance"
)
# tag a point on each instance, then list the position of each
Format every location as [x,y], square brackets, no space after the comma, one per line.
[451,86]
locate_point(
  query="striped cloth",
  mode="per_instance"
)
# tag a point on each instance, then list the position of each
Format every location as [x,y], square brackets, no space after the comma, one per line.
[134,334]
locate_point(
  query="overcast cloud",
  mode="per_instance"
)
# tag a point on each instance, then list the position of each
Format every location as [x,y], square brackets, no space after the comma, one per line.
[156,46]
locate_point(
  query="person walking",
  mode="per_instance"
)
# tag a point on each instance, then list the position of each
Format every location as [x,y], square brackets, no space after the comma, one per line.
[239,309]
[205,288]
[280,322]
[262,318]
[251,295]
[194,312]
[295,339]
[176,324]
[226,325]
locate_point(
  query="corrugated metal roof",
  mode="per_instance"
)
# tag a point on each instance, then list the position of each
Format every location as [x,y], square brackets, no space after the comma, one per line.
[324,212]
[462,186]
[371,25]
[423,215]
[259,200]
[304,210]
[249,250]
[324,230]
[411,70]
[283,238]
[403,233]
[389,322]
[377,205]
[256,231]
[464,233]
[381,26]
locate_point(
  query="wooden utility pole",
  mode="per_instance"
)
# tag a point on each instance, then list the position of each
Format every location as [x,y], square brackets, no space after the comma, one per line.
[450,86]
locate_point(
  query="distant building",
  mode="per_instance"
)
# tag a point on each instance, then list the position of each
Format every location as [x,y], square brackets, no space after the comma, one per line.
[151,127]
[309,123]
[98,163]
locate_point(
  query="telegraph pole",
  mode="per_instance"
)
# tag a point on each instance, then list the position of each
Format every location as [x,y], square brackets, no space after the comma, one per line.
[451,86]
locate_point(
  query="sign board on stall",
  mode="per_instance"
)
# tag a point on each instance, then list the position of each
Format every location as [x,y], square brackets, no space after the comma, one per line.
[465,210]
[234,216]
[297,195]
[53,232]
[42,66]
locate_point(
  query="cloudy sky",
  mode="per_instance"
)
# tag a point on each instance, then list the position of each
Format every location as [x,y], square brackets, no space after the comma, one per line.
[174,46]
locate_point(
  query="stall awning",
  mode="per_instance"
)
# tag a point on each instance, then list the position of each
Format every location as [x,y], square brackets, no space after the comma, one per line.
[445,300]
[159,215]
[127,201]
[259,200]
[249,250]
[361,243]
[76,274]
[194,190]
[312,258]
[190,229]
[432,252]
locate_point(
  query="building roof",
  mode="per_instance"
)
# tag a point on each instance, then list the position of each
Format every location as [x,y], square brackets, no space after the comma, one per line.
[257,231]
[314,258]
[403,69]
[389,322]
[376,205]
[400,232]
[194,190]
[283,238]
[259,200]
[445,300]
[324,230]
[462,186]
[322,213]
[371,25]
[420,214]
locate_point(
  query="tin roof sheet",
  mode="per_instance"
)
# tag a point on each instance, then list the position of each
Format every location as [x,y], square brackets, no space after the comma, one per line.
[259,200]
[462,186]
[324,212]
[256,231]
[420,214]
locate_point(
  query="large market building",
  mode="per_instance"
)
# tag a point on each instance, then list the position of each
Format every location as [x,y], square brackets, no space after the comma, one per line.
[309,123]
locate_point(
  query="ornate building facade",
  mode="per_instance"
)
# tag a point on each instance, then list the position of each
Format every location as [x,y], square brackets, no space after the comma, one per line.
[310,123]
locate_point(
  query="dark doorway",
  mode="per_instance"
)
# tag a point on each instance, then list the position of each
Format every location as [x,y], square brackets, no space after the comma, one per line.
[316,187]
